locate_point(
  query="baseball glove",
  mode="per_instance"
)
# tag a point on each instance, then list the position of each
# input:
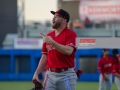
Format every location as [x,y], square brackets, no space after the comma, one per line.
[78,73]
[37,85]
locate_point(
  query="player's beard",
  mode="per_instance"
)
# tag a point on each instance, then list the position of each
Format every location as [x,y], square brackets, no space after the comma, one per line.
[56,25]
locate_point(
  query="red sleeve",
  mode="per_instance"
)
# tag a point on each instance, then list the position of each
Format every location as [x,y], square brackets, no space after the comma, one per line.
[44,49]
[71,40]
[114,69]
[100,67]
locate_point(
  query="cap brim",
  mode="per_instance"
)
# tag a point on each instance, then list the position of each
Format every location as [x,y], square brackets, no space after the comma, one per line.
[53,12]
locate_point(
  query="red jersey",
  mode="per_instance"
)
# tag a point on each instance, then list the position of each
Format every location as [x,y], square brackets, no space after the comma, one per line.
[116,68]
[55,58]
[115,60]
[105,65]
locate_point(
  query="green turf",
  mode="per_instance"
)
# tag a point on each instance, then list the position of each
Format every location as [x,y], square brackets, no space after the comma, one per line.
[91,86]
[20,85]
[17,85]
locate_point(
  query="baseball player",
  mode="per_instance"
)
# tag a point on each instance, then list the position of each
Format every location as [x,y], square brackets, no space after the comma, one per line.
[58,54]
[105,65]
[116,72]
[115,55]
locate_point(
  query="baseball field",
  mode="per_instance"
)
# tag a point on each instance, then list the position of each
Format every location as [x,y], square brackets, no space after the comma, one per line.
[24,85]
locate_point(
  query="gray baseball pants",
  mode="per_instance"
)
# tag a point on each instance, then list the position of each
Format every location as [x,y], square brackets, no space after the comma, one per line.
[65,80]
[103,82]
[117,82]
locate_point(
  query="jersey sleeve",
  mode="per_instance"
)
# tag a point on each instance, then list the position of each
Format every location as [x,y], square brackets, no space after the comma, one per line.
[99,67]
[44,49]
[71,40]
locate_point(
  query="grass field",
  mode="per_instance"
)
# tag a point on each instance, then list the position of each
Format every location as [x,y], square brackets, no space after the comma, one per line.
[20,85]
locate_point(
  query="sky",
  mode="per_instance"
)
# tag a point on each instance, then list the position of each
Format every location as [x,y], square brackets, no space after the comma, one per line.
[39,10]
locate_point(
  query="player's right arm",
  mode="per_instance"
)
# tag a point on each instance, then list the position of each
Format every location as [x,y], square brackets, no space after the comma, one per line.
[41,66]
[100,68]
[42,62]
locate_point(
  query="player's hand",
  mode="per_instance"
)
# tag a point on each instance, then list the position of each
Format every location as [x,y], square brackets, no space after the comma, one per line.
[35,77]
[78,72]
[47,39]
[37,85]
[105,78]
[119,76]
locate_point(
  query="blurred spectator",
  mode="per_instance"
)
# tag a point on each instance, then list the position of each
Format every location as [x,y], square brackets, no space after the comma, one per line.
[77,24]
[87,23]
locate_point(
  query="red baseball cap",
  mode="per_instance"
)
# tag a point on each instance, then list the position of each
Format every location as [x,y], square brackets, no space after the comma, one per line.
[63,13]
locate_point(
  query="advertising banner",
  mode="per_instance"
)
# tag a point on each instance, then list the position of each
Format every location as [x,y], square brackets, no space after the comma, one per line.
[93,43]
[102,10]
[28,43]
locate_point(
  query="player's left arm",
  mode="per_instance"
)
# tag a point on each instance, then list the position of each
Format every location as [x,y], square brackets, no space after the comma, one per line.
[115,71]
[117,74]
[100,67]
[70,44]
[64,49]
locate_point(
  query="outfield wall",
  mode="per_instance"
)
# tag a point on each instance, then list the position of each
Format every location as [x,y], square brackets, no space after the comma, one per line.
[20,64]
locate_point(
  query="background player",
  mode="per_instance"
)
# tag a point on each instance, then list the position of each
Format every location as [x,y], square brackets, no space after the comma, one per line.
[105,65]
[116,72]
[115,55]
[58,53]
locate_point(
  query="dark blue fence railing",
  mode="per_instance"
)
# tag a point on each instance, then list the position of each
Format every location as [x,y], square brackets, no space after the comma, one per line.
[20,64]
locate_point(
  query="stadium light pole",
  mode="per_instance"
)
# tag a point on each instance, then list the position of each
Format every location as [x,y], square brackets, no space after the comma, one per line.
[59,3]
[20,17]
